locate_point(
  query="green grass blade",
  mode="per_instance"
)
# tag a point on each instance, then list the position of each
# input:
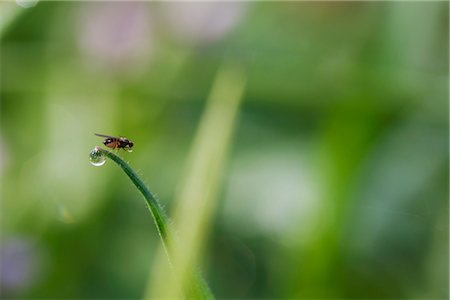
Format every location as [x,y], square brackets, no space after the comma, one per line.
[155,208]
[199,191]
[199,288]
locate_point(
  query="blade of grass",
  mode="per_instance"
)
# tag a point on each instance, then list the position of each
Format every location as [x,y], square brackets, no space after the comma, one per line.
[158,214]
[197,199]
[199,289]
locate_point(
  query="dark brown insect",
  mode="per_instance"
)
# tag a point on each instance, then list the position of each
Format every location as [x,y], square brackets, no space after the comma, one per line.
[119,142]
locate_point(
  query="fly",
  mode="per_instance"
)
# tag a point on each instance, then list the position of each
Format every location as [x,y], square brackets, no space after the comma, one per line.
[119,142]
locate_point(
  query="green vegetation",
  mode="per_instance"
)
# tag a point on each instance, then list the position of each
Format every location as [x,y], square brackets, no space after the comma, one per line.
[301,149]
[199,288]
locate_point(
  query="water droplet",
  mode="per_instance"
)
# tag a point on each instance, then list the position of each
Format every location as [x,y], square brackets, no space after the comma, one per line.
[97,158]
[27,3]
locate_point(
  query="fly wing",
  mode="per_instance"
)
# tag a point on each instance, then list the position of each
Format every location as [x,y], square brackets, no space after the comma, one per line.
[104,135]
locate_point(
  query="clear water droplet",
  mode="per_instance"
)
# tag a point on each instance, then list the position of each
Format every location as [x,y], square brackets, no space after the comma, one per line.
[97,158]
[27,3]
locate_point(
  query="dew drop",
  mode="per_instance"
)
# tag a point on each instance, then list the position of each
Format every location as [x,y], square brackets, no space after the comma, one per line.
[27,3]
[97,158]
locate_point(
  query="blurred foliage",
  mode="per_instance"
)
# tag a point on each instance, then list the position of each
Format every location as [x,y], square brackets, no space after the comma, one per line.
[337,182]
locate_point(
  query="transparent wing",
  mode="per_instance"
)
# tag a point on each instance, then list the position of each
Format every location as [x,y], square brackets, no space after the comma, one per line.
[104,135]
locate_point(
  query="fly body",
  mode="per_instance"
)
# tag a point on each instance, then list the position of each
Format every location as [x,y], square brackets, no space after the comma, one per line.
[119,142]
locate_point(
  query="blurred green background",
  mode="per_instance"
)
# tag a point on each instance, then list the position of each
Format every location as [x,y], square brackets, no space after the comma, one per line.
[336,185]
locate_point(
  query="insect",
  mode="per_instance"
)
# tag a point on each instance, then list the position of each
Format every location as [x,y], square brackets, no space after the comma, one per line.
[119,142]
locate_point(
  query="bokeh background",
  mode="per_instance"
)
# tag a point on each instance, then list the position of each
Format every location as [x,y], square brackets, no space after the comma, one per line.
[336,180]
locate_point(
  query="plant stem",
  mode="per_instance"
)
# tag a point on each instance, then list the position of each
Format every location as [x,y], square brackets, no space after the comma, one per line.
[199,289]
[199,193]
[155,208]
